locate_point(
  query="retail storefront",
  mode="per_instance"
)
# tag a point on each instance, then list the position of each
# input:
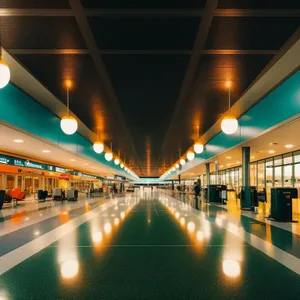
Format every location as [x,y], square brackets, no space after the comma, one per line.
[32,176]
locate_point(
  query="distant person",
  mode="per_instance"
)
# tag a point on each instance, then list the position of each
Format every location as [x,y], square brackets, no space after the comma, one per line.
[197,193]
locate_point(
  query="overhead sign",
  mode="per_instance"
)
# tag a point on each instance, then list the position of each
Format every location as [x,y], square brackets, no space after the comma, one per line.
[122,178]
[25,163]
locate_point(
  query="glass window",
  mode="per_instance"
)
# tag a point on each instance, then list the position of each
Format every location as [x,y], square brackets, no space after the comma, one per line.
[297,175]
[19,183]
[287,159]
[261,175]
[278,176]
[297,156]
[287,176]
[278,160]
[253,171]
[10,182]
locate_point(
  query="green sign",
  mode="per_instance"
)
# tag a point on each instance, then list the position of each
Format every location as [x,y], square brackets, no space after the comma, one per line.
[25,163]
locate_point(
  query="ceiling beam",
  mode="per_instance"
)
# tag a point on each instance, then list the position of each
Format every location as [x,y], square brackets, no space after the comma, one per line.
[33,12]
[138,52]
[111,100]
[199,44]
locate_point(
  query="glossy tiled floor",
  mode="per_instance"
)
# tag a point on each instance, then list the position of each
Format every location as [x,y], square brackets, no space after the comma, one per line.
[149,246]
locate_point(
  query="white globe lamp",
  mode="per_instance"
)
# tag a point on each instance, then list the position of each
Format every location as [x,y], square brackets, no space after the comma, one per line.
[98,147]
[182,162]
[121,166]
[190,156]
[68,125]
[108,156]
[229,125]
[198,148]
[4,74]
[177,166]
[117,161]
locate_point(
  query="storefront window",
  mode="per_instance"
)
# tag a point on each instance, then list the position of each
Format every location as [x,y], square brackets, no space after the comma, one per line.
[253,171]
[10,182]
[261,175]
[297,156]
[287,159]
[297,175]
[19,184]
[287,176]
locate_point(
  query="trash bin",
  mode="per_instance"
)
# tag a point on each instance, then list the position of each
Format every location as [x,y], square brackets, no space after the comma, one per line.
[2,195]
[281,203]
[42,195]
[76,195]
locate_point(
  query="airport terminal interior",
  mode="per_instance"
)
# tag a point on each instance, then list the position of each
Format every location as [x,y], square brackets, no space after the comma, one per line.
[150,149]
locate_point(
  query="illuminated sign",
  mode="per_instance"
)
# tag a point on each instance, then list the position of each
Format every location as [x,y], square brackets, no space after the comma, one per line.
[60,170]
[4,160]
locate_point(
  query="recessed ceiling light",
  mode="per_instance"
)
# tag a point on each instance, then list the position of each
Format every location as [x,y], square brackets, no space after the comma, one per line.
[272,144]
[19,141]
[238,162]
[46,151]
[289,146]
[252,157]
[228,165]
[271,151]
[228,157]
[222,166]
[72,159]
[86,164]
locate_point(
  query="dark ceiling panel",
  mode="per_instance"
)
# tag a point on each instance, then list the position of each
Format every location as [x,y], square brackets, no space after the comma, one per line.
[85,98]
[34,4]
[209,98]
[250,33]
[143,4]
[147,88]
[259,4]
[145,33]
[41,33]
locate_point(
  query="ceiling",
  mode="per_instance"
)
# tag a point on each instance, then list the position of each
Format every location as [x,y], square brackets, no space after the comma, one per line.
[149,76]
[33,147]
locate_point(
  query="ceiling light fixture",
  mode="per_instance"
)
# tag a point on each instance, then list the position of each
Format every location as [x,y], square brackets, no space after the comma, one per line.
[271,151]
[68,123]
[117,161]
[289,146]
[121,166]
[229,124]
[182,162]
[190,156]
[198,148]
[18,141]
[46,151]
[4,69]
[177,166]
[108,156]
[228,157]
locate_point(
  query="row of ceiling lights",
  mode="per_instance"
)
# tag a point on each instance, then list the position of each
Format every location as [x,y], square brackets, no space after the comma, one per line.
[229,126]
[68,123]
[69,126]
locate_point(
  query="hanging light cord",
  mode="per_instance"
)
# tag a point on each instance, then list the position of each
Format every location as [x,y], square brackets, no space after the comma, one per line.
[68,100]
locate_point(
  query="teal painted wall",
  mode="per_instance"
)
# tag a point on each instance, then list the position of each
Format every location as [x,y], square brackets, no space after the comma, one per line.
[278,106]
[20,110]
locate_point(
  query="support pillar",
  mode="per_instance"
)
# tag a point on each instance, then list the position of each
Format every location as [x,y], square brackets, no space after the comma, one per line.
[179,179]
[207,166]
[246,197]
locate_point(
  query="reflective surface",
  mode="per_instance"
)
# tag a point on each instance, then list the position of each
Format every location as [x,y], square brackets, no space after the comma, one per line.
[149,245]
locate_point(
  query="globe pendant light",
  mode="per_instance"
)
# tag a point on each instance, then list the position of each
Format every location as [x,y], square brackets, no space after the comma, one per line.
[198,148]
[177,166]
[182,162]
[190,156]
[68,123]
[108,156]
[121,166]
[229,124]
[4,69]
[4,74]
[117,161]
[98,147]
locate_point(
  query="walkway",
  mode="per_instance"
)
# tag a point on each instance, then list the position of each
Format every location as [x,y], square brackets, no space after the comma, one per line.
[149,246]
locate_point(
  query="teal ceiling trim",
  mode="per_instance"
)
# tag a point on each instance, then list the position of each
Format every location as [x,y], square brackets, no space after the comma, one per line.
[20,110]
[278,106]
